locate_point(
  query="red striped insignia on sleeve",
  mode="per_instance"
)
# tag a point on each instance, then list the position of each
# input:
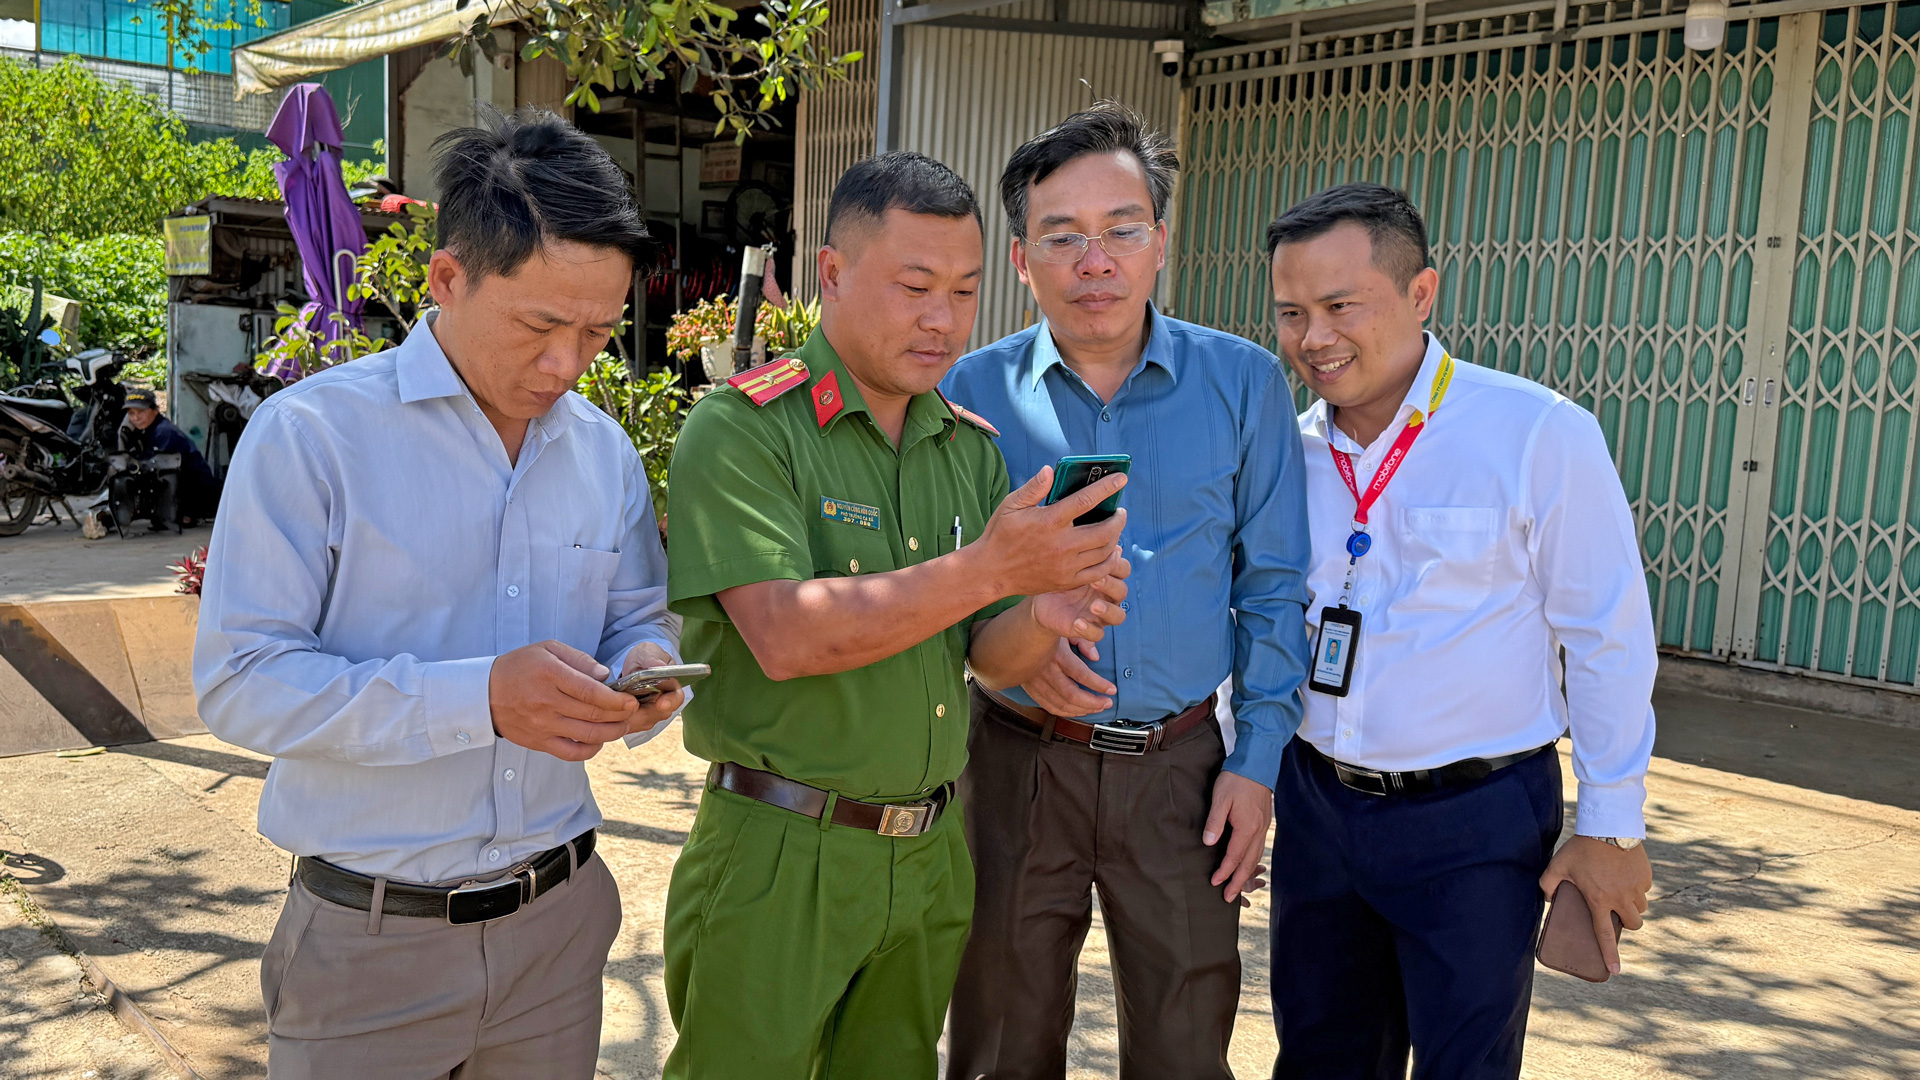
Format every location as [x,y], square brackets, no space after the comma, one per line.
[771,379]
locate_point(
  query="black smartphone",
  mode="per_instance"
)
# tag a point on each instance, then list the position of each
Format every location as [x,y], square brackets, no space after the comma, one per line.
[1074,473]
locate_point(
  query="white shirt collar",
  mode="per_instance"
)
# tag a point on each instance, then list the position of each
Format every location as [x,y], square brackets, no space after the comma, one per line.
[1418,395]
[424,372]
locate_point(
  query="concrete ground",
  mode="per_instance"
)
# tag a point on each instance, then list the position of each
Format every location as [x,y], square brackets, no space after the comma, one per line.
[54,562]
[1783,941]
[53,1023]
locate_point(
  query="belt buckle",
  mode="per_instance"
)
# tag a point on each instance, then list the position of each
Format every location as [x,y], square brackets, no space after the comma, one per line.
[1351,775]
[906,819]
[470,903]
[1129,737]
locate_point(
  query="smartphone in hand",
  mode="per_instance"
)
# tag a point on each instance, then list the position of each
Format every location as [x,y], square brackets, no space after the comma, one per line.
[1567,942]
[646,684]
[1076,472]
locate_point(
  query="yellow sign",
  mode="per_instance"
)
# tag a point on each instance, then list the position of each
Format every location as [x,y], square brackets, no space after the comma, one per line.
[189,245]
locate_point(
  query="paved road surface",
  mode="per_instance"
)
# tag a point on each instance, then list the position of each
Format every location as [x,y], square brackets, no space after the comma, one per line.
[1784,940]
[54,562]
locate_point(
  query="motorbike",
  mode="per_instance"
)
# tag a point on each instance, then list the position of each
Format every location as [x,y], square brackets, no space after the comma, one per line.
[52,449]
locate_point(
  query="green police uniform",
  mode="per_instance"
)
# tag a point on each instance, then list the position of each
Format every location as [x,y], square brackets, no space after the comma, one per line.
[798,948]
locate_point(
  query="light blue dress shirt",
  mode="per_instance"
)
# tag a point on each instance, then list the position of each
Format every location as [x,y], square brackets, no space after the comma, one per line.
[1216,516]
[375,551]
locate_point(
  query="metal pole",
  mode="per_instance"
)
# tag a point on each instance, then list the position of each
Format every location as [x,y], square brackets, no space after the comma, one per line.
[892,43]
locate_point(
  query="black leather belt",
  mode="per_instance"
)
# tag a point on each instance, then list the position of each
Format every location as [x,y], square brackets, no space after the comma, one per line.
[468,902]
[912,818]
[1420,781]
[1129,737]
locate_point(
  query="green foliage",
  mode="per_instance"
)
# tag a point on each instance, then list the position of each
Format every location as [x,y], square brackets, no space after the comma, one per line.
[296,343]
[83,157]
[618,44]
[787,328]
[21,355]
[650,410]
[394,268]
[120,281]
[188,22]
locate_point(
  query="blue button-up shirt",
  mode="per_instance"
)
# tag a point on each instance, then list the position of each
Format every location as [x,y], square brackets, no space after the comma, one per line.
[1216,516]
[375,550]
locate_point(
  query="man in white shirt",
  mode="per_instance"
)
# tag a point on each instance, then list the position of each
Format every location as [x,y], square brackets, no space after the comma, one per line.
[427,563]
[1468,526]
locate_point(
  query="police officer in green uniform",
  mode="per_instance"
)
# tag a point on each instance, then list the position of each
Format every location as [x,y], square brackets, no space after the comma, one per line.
[844,547]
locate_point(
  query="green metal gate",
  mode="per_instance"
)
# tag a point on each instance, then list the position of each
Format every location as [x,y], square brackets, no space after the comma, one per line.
[1603,206]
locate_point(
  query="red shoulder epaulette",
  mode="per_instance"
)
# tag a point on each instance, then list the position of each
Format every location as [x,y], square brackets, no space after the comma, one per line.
[960,413]
[771,379]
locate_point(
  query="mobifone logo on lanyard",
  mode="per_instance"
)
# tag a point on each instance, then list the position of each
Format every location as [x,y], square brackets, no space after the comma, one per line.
[1339,639]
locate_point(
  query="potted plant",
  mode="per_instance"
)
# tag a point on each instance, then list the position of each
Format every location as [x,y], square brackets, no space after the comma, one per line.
[706,331]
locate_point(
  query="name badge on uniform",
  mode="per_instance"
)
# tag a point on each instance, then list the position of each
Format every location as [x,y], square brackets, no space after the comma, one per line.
[1333,651]
[850,513]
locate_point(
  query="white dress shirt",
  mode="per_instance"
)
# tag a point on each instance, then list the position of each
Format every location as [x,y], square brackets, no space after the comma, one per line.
[1504,537]
[374,552]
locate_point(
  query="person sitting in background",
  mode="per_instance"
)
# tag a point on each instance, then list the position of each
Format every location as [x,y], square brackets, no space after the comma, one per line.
[146,431]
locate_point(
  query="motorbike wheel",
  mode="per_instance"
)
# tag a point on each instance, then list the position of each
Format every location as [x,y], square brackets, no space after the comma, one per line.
[19,504]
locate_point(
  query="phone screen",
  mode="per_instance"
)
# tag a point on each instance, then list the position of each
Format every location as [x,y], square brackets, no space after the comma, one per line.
[1074,473]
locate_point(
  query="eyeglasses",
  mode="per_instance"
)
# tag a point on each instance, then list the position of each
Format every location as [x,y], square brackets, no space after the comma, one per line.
[1071,247]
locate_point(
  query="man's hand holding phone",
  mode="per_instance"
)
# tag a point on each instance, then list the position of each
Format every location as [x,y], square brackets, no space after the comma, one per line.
[659,708]
[549,697]
[1033,548]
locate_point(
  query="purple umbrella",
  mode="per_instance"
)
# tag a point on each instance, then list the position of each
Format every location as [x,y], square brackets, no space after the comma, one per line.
[326,224]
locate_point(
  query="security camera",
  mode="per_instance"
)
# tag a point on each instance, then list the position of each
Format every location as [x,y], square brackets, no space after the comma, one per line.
[1169,50]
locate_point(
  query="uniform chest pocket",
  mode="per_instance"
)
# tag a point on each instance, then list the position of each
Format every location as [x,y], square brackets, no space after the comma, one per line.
[585,575]
[842,550]
[1449,555]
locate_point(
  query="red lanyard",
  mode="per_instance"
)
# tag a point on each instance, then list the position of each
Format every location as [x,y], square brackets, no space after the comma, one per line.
[1396,454]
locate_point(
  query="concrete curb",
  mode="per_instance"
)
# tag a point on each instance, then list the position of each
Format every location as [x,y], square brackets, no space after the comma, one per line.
[135,1020]
[96,673]
[1739,682]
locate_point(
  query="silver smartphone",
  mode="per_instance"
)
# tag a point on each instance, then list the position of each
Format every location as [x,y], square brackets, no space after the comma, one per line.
[645,683]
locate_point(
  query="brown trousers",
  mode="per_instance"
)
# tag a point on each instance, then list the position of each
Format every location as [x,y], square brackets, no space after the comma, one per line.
[422,999]
[1049,822]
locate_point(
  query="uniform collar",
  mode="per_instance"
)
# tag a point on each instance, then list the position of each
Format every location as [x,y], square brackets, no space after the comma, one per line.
[927,413]
[1159,351]
[1418,397]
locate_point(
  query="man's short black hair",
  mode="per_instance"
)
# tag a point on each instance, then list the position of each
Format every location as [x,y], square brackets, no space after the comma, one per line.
[898,180]
[512,184]
[1399,235]
[1104,128]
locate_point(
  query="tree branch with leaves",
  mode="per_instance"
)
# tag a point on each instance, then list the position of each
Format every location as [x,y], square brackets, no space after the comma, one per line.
[617,45]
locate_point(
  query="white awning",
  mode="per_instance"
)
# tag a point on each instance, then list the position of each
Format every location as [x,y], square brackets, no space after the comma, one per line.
[363,32]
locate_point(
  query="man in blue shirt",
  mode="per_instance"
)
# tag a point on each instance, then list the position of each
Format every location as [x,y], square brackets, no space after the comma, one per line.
[1171,833]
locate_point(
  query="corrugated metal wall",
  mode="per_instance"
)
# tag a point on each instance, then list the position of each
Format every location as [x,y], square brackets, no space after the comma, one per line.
[972,96]
[836,128]
[1615,216]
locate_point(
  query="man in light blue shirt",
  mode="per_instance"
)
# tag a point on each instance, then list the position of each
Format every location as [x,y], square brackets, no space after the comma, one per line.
[427,562]
[1171,832]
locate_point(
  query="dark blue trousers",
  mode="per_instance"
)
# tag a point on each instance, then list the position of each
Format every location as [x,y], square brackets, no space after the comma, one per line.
[1407,923]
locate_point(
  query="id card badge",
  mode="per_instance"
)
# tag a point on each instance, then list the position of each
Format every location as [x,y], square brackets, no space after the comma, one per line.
[1333,651]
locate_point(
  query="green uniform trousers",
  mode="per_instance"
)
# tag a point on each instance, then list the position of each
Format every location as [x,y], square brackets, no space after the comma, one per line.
[799,950]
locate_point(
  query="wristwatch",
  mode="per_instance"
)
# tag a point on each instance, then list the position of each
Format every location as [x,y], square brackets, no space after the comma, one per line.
[1624,843]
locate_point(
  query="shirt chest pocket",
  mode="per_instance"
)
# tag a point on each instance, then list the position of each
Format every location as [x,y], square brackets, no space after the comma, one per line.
[1449,555]
[842,549]
[585,576]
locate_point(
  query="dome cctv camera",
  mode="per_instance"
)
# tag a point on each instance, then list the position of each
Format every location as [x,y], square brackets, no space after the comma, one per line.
[1169,50]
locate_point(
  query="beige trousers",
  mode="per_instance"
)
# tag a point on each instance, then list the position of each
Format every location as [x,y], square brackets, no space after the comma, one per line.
[515,998]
